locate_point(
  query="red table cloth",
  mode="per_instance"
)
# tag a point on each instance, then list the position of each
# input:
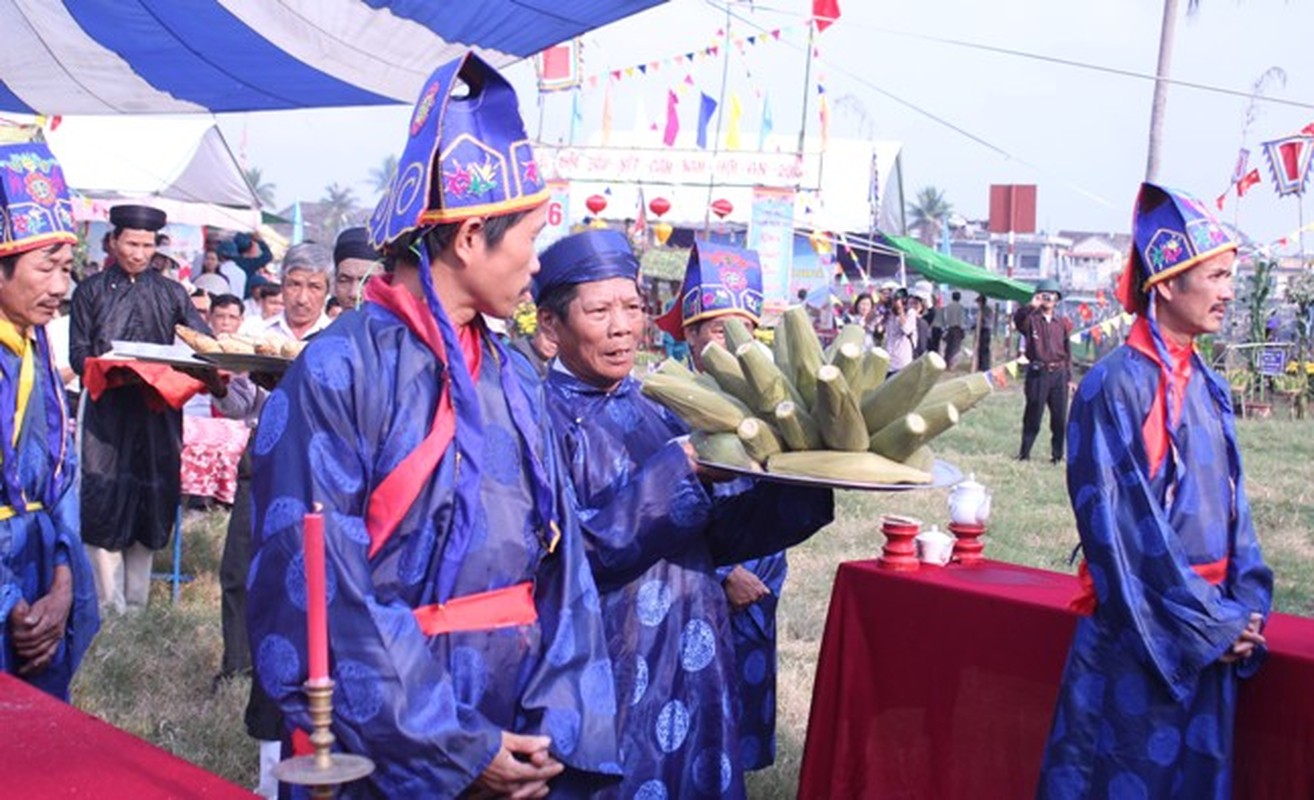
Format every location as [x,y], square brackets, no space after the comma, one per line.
[211,449]
[941,683]
[49,749]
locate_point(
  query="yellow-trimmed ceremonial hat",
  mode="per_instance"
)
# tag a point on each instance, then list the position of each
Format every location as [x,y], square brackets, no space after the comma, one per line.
[35,210]
[465,156]
[1171,232]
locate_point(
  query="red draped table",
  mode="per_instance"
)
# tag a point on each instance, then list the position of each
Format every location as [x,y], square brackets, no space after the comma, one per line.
[940,683]
[49,749]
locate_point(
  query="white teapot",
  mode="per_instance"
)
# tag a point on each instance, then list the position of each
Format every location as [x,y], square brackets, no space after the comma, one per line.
[969,503]
[934,546]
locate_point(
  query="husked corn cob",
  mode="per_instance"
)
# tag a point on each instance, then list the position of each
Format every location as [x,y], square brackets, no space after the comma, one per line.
[875,366]
[900,438]
[765,381]
[922,458]
[839,420]
[848,357]
[850,333]
[804,353]
[760,442]
[798,431]
[780,352]
[724,367]
[902,393]
[839,466]
[736,333]
[675,369]
[964,392]
[701,408]
[722,448]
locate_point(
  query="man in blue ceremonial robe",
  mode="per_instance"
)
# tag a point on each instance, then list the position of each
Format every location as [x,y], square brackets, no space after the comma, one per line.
[1175,587]
[464,637]
[711,294]
[655,530]
[48,613]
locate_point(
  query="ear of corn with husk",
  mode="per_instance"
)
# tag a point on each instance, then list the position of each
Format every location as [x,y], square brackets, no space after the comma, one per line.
[828,414]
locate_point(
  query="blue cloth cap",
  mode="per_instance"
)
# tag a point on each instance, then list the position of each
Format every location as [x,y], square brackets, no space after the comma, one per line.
[35,210]
[465,156]
[593,255]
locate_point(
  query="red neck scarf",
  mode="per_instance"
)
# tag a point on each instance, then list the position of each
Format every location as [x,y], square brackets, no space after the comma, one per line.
[1175,377]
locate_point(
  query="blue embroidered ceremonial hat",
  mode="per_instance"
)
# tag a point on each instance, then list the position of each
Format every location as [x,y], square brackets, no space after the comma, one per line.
[719,280]
[35,210]
[593,255]
[1171,232]
[465,156]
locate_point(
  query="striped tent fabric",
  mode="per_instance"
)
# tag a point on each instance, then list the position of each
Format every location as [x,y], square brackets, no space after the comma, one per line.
[171,56]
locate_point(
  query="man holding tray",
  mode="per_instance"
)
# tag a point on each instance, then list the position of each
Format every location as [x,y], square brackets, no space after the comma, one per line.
[464,637]
[1175,587]
[131,453]
[47,599]
[656,530]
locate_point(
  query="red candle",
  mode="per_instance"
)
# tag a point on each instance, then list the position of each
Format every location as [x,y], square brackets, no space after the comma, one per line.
[316,598]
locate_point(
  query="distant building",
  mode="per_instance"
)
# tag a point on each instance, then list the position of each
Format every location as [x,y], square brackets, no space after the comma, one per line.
[1094,260]
[1034,255]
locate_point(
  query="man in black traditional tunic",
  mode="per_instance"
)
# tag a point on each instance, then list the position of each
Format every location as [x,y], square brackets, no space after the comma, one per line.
[130,454]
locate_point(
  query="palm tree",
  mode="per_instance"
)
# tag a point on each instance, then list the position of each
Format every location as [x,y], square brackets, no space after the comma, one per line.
[1167,33]
[264,192]
[382,175]
[929,211]
[339,206]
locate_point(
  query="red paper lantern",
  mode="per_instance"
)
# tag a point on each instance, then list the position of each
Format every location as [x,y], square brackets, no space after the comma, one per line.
[659,205]
[722,208]
[596,203]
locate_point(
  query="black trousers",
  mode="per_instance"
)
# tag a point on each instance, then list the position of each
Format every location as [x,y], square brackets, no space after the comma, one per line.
[1045,388]
[233,568]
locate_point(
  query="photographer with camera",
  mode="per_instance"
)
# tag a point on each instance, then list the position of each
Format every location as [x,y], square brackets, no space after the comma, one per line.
[1049,366]
[900,329]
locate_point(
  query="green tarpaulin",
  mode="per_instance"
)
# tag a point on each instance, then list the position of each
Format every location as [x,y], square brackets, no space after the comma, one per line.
[950,271]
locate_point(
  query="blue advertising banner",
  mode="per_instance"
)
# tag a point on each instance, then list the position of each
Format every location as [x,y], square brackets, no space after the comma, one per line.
[771,234]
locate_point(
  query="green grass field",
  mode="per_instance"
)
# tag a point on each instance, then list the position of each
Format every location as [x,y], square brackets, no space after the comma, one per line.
[150,674]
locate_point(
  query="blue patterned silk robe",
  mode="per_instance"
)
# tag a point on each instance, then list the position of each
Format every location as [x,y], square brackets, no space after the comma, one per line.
[428,709]
[655,538]
[39,508]
[1146,708]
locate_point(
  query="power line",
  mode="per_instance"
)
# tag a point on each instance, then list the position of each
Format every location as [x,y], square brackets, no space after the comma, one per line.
[911,106]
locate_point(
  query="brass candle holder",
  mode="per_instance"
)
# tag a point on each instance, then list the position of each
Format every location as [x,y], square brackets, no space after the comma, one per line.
[324,770]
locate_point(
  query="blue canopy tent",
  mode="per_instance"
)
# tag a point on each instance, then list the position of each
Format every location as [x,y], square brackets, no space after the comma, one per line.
[172,56]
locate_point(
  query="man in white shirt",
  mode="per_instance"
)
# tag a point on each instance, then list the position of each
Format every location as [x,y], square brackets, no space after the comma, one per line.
[307,273]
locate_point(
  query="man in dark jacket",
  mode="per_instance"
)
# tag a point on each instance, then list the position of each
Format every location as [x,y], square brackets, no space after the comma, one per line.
[1049,367]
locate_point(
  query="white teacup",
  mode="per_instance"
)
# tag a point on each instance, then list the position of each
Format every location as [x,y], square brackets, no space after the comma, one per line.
[934,546]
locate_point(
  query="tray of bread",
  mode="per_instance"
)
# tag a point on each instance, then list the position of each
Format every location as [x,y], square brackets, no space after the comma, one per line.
[269,352]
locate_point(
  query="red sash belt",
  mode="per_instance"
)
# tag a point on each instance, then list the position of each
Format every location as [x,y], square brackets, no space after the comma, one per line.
[1215,572]
[499,608]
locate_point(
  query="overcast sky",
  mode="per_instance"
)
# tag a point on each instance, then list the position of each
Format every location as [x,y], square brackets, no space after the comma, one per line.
[890,72]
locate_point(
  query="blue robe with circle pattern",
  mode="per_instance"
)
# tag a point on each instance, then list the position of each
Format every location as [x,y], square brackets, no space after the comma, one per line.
[1146,708]
[428,709]
[32,543]
[754,630]
[655,538]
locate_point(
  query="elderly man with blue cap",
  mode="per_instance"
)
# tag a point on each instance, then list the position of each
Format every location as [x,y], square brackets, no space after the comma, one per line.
[1175,589]
[464,636]
[656,530]
[47,599]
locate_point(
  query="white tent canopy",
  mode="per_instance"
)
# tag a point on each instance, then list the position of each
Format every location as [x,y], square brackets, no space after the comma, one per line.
[180,164]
